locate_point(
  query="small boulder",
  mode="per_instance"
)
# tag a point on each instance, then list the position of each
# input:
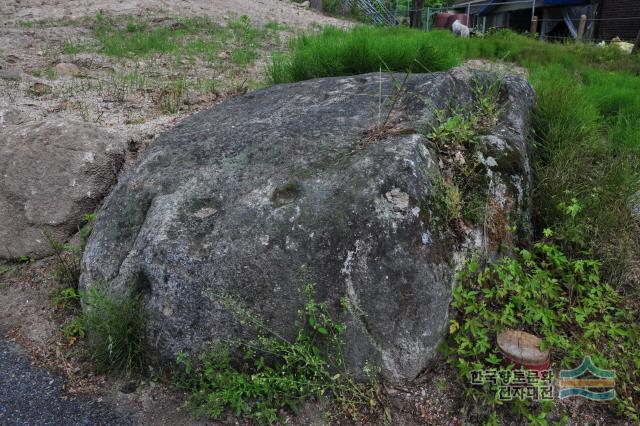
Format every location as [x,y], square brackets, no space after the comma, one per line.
[67,70]
[11,117]
[90,61]
[11,74]
[51,174]
[191,98]
[40,89]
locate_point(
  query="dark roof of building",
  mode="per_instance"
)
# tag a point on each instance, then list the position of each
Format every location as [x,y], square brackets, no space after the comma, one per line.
[485,7]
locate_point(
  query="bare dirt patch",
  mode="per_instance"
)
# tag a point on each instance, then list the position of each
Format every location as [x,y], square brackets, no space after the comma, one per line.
[282,11]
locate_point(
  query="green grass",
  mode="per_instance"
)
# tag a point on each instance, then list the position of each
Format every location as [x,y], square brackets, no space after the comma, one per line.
[343,52]
[114,331]
[185,37]
[70,47]
[586,160]
[26,24]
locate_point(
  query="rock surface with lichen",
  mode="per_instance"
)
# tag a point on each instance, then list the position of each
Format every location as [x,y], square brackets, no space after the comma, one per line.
[236,199]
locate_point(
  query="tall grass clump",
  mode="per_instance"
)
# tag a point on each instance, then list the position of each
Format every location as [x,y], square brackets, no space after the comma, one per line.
[364,49]
[114,331]
[586,154]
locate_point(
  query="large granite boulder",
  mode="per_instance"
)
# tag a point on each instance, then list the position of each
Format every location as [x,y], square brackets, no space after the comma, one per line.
[237,198]
[51,174]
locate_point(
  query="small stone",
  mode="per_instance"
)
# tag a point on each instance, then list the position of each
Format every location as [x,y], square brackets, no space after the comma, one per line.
[191,98]
[11,117]
[129,387]
[90,61]
[522,348]
[12,74]
[67,70]
[223,55]
[40,89]
[459,157]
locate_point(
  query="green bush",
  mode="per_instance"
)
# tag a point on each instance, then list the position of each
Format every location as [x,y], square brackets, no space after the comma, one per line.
[548,294]
[574,159]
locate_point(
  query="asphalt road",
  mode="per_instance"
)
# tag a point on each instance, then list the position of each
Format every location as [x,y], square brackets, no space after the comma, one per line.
[34,396]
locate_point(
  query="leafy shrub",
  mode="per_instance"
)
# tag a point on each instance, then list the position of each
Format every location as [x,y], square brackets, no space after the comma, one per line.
[546,293]
[74,329]
[276,373]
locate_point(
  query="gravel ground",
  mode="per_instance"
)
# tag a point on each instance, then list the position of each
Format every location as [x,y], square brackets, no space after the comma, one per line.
[33,396]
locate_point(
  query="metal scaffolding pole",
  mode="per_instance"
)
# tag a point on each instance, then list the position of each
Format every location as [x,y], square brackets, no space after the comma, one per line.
[533,9]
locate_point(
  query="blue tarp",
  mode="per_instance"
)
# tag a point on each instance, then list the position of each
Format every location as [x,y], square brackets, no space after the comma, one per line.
[566,2]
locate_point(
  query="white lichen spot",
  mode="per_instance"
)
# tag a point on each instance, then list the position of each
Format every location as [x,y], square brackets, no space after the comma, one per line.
[264,240]
[490,162]
[500,192]
[89,157]
[290,244]
[296,214]
[399,199]
[426,238]
[411,166]
[205,212]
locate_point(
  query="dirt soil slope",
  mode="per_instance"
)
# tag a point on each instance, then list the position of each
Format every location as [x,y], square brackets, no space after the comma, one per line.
[282,11]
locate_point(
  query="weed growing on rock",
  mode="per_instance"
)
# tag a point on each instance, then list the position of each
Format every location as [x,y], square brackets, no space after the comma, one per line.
[68,256]
[276,373]
[487,109]
[465,184]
